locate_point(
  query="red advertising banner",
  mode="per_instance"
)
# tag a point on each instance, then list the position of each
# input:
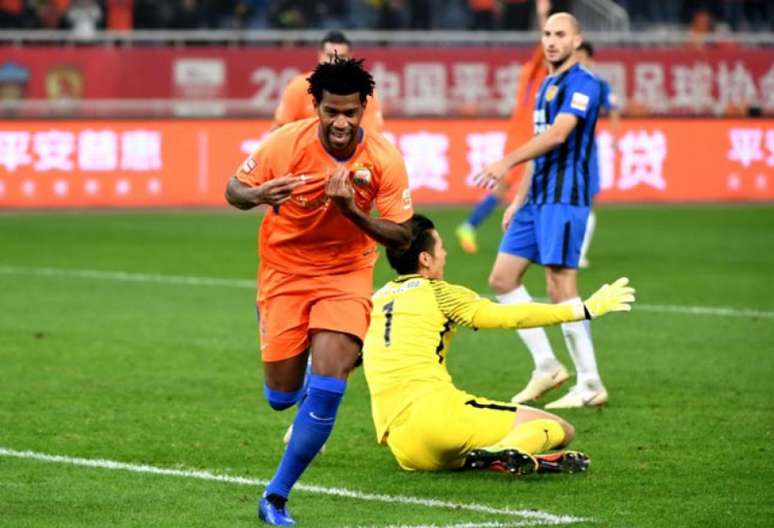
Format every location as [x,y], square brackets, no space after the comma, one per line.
[418,81]
[187,163]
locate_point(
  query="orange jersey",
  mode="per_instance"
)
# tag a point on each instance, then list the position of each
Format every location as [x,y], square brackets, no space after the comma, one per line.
[308,235]
[520,127]
[296,104]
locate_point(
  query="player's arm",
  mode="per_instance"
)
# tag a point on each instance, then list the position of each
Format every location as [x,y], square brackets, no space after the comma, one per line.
[273,192]
[465,307]
[549,139]
[386,232]
[254,184]
[520,197]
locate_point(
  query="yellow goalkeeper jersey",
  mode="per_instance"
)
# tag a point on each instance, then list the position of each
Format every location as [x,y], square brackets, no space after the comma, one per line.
[412,322]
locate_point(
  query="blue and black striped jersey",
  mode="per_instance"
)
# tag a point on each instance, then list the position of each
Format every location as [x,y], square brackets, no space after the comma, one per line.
[561,175]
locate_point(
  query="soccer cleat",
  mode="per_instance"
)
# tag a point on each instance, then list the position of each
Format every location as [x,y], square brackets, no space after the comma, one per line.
[506,461]
[540,383]
[272,514]
[289,433]
[563,462]
[466,236]
[580,397]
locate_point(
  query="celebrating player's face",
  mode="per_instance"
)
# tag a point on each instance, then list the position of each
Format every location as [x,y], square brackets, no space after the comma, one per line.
[560,38]
[340,117]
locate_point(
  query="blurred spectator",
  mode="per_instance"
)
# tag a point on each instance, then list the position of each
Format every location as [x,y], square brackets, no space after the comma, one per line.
[516,14]
[119,15]
[421,14]
[11,13]
[701,25]
[392,14]
[482,14]
[83,16]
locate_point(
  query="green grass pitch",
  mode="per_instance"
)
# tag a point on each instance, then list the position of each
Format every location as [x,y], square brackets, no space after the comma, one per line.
[165,372]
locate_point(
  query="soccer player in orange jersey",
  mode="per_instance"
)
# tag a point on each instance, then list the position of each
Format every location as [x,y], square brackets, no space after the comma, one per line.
[518,132]
[317,246]
[296,103]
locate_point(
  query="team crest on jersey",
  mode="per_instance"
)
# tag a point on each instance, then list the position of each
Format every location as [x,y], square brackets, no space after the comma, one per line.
[249,165]
[551,92]
[361,174]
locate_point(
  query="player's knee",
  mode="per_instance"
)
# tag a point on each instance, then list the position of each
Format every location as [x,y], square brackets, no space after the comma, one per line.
[567,428]
[501,283]
[281,400]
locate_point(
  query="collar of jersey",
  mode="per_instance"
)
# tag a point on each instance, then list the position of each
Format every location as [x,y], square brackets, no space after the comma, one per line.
[404,278]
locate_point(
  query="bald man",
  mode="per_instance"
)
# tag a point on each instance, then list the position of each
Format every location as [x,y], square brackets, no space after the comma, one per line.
[546,221]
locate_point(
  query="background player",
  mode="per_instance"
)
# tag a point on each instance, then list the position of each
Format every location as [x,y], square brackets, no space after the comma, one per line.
[549,228]
[317,254]
[608,103]
[426,421]
[519,130]
[296,103]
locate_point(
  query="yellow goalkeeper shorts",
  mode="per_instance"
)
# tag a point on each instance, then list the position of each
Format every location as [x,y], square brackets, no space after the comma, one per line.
[437,430]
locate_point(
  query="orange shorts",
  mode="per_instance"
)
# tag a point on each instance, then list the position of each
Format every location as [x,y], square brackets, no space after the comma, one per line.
[291,307]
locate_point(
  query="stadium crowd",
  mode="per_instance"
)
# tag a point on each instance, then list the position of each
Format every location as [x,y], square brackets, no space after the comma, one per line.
[85,16]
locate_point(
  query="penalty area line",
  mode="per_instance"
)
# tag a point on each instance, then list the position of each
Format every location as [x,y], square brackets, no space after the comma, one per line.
[531,517]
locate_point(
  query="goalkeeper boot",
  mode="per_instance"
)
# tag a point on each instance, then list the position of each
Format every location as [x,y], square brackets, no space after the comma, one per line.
[466,236]
[541,382]
[506,461]
[272,509]
[563,462]
[586,395]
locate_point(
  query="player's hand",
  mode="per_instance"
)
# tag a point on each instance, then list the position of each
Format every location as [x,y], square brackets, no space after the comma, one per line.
[491,176]
[339,190]
[616,297]
[277,191]
[508,215]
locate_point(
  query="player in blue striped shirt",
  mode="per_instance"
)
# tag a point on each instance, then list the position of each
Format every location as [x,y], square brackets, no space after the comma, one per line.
[608,103]
[548,229]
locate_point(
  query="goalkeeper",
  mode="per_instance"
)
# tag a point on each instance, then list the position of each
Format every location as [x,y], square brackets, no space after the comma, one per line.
[425,420]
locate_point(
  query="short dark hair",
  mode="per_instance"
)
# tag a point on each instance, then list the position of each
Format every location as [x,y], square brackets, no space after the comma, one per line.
[334,37]
[587,47]
[407,261]
[341,77]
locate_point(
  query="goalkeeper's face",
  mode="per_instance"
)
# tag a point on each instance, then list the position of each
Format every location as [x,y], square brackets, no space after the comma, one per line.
[436,261]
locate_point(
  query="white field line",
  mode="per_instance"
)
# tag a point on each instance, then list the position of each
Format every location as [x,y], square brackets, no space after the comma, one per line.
[534,517]
[489,524]
[122,276]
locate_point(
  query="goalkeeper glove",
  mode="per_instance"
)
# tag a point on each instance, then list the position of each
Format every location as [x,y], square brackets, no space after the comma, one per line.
[610,298]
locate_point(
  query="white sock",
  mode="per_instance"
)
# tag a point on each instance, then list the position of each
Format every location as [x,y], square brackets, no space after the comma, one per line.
[577,337]
[591,223]
[535,338]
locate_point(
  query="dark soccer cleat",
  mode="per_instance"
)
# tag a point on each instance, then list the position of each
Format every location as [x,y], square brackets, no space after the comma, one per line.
[563,462]
[272,510]
[506,461]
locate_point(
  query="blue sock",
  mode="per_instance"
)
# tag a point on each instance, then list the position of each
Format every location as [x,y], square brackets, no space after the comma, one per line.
[483,209]
[279,400]
[311,429]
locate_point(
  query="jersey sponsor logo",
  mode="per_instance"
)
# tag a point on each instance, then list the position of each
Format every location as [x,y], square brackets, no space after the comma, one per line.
[580,101]
[551,92]
[249,165]
[406,196]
